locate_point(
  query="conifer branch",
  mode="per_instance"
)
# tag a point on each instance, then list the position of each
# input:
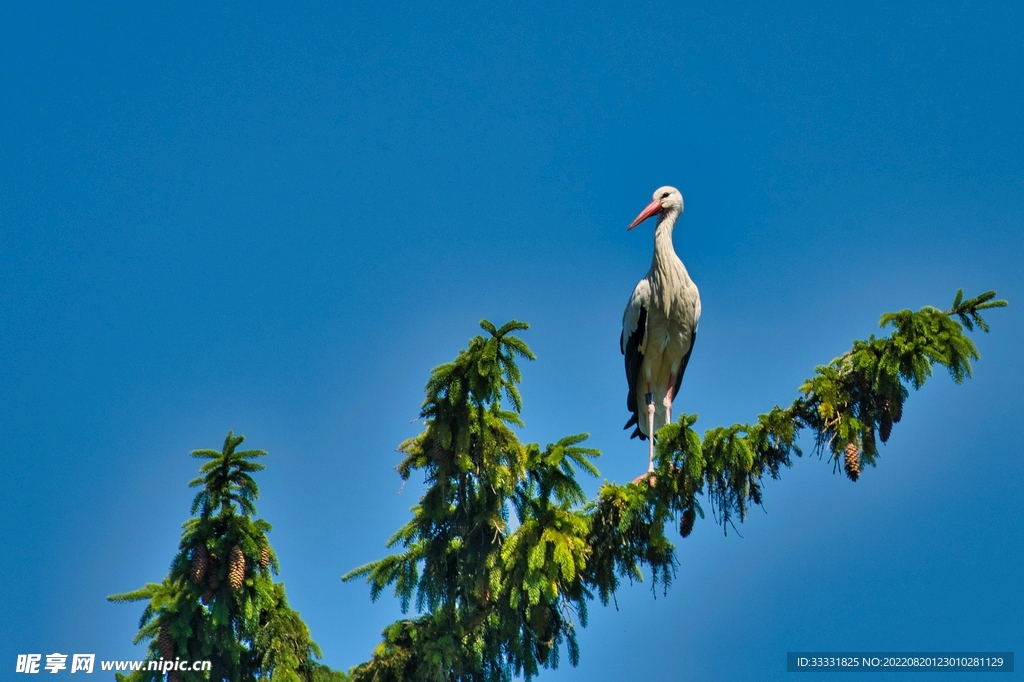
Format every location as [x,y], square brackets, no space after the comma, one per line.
[967,310]
[499,597]
[849,405]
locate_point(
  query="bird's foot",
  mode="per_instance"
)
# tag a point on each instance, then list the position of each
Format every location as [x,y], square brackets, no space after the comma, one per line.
[649,477]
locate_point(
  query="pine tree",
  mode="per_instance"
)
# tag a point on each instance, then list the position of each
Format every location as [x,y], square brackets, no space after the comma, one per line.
[497,599]
[210,607]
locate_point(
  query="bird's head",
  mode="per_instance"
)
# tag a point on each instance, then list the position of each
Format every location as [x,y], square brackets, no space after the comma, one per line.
[666,200]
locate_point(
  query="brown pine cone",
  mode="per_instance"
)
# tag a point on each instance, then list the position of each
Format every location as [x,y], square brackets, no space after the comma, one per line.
[437,452]
[165,644]
[200,561]
[207,597]
[852,461]
[885,423]
[544,636]
[236,568]
[264,556]
[212,577]
[686,523]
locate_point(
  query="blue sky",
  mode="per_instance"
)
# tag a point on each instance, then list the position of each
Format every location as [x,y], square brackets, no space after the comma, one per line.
[277,219]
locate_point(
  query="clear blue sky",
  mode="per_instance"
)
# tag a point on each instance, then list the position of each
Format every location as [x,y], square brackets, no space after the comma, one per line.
[276,220]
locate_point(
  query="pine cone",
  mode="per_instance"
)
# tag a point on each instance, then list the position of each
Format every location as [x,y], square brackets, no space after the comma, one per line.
[897,410]
[200,560]
[173,676]
[544,650]
[545,637]
[207,597]
[165,644]
[686,523]
[437,452]
[885,422]
[852,461]
[264,556]
[236,568]
[212,577]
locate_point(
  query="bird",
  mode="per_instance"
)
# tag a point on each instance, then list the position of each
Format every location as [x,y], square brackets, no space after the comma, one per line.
[659,325]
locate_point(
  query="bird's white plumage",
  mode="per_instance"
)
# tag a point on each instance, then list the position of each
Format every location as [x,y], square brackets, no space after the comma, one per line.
[659,324]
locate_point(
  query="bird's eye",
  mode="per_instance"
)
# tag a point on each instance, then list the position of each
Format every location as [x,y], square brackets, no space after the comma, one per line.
[665,195]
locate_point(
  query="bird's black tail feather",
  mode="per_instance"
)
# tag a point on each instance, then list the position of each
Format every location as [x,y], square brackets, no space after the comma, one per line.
[633,421]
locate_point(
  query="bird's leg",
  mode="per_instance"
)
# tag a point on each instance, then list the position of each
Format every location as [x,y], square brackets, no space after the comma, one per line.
[668,397]
[650,426]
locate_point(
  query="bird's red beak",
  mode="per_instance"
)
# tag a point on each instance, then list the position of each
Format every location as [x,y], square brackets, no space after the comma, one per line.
[653,208]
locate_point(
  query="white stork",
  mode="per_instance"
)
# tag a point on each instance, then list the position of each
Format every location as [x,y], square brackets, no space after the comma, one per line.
[659,325]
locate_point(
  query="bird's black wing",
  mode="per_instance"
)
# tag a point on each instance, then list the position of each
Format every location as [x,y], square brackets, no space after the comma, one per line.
[634,330]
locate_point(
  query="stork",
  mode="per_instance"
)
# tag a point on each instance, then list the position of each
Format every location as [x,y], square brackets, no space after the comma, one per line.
[659,325]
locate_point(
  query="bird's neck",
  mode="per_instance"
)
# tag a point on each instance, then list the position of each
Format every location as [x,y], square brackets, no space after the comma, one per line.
[664,253]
